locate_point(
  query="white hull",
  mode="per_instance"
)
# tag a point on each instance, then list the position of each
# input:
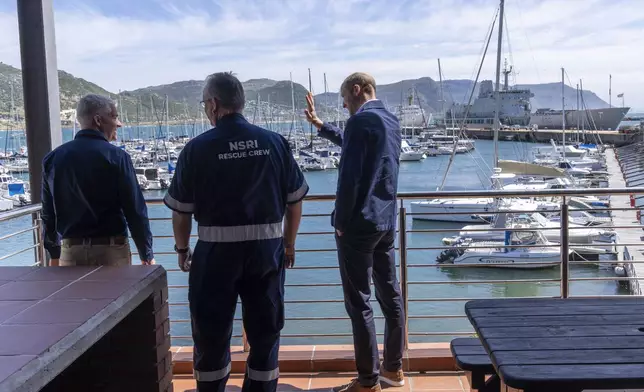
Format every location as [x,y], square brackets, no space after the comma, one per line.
[575,236]
[496,259]
[412,156]
[471,210]
[604,118]
[445,210]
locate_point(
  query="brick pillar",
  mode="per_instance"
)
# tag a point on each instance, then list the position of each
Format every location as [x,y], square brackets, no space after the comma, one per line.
[134,356]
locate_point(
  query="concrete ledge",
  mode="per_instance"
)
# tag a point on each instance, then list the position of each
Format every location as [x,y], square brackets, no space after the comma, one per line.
[329,358]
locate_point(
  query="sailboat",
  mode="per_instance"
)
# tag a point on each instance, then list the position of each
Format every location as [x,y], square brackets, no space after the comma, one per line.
[478,210]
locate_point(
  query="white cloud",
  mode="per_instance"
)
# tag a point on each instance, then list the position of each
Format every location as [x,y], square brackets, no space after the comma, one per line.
[391,39]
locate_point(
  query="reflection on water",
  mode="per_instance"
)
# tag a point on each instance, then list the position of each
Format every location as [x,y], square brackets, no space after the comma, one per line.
[432,299]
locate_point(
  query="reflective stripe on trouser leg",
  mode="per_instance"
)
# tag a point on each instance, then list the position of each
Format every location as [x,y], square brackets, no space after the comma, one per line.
[260,375]
[215,375]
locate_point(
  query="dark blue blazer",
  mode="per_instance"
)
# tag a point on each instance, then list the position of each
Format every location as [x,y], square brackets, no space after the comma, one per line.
[89,189]
[368,172]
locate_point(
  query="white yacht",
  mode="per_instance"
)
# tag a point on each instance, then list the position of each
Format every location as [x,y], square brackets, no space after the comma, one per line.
[407,154]
[13,192]
[481,210]
[577,234]
[503,255]
[151,178]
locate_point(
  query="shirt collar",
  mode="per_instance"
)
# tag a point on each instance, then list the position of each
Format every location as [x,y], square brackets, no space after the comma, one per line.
[363,105]
[93,133]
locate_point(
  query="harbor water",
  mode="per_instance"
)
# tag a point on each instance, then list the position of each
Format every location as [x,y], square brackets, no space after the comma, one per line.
[446,287]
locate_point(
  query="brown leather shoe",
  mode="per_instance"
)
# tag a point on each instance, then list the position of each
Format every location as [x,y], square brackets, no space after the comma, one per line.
[394,379]
[354,386]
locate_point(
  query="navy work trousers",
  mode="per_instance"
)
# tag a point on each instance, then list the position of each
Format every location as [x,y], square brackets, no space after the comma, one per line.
[363,256]
[220,273]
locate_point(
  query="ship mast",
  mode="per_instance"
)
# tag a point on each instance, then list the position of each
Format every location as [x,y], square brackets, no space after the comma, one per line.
[497,96]
[506,73]
[610,91]
[563,113]
[440,78]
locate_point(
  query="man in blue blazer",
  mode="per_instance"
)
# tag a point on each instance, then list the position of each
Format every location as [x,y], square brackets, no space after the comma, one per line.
[365,224]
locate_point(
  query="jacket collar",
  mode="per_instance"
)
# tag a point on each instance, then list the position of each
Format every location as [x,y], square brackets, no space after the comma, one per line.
[232,118]
[91,133]
[372,104]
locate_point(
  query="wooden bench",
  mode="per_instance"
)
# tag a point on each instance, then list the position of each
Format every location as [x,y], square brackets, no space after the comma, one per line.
[471,357]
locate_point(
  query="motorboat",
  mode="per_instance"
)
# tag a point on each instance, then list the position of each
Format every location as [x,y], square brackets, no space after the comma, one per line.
[407,154]
[577,234]
[504,255]
[478,210]
[13,192]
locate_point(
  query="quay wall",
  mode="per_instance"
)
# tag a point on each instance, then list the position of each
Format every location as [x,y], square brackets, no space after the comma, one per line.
[615,138]
[624,168]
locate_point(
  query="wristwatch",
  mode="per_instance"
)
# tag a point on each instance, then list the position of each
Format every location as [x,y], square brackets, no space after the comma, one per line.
[181,251]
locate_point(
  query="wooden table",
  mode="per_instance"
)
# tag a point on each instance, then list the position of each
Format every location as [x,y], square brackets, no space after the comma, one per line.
[563,344]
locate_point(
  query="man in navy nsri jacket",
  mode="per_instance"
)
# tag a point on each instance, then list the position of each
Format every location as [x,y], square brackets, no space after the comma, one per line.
[365,223]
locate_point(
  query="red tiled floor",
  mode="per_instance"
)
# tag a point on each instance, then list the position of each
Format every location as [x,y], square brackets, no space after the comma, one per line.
[430,382]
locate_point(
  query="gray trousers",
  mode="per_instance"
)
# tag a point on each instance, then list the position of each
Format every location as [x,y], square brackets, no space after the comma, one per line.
[95,255]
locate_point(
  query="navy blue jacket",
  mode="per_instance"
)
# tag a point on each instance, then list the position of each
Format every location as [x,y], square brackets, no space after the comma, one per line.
[236,179]
[368,172]
[89,190]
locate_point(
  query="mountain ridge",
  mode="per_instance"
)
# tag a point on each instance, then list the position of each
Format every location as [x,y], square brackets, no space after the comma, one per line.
[184,96]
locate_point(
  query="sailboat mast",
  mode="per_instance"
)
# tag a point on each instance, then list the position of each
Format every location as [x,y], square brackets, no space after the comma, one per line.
[167,118]
[440,78]
[578,112]
[293,110]
[497,95]
[326,99]
[311,125]
[563,113]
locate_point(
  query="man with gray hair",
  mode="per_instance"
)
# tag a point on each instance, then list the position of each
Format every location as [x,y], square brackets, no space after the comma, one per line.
[90,192]
[245,190]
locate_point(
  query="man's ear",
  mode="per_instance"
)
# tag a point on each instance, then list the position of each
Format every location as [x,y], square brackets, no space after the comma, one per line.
[356,90]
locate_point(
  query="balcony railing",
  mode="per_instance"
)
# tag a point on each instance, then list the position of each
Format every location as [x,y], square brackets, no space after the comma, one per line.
[431,315]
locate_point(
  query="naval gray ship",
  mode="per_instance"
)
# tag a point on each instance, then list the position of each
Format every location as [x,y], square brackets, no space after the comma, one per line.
[602,119]
[515,108]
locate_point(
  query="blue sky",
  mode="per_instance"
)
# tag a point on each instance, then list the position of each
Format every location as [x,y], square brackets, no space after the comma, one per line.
[125,44]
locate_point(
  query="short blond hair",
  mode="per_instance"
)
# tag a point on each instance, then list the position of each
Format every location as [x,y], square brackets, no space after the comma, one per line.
[362,79]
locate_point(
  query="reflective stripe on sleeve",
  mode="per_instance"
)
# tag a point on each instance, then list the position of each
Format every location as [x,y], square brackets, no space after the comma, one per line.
[214,375]
[176,205]
[298,194]
[265,376]
[240,233]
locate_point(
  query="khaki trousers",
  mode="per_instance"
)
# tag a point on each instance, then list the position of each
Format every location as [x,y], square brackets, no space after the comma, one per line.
[95,255]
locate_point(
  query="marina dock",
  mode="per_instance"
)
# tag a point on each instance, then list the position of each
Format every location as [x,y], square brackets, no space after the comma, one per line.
[617,163]
[616,138]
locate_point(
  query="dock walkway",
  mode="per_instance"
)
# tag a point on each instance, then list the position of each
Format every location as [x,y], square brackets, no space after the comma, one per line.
[626,218]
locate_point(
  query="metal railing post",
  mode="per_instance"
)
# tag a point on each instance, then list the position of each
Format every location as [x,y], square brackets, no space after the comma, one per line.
[39,250]
[244,337]
[402,243]
[565,251]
